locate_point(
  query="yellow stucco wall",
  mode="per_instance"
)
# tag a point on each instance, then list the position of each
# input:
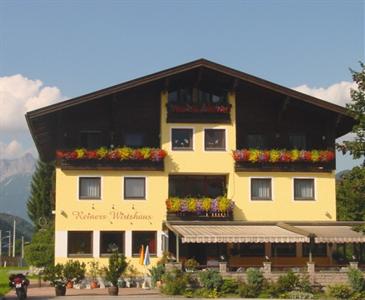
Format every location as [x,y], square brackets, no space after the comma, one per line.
[112,212]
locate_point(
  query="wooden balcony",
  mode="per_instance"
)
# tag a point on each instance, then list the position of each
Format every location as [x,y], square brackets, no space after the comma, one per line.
[284,167]
[127,165]
[187,216]
[143,159]
[196,114]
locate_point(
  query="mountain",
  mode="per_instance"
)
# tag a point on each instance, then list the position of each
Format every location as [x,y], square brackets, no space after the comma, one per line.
[340,175]
[23,228]
[15,179]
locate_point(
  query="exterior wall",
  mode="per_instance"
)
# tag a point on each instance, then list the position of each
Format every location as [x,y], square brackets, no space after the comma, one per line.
[113,212]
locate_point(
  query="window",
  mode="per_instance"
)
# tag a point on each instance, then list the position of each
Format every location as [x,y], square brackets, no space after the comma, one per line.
[90,139]
[297,141]
[196,186]
[317,249]
[111,241]
[196,96]
[89,187]
[134,188]
[252,249]
[182,139]
[261,189]
[145,238]
[134,140]
[283,249]
[256,141]
[80,243]
[215,139]
[303,189]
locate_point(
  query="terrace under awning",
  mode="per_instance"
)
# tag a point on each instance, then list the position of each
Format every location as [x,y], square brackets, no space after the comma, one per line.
[334,234]
[236,234]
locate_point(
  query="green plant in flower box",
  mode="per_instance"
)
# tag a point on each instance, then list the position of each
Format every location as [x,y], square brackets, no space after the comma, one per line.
[175,204]
[102,152]
[124,153]
[223,204]
[146,153]
[191,204]
[274,155]
[81,152]
[206,204]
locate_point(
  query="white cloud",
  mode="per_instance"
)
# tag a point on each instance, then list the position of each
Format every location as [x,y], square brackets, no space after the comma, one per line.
[338,93]
[13,150]
[18,95]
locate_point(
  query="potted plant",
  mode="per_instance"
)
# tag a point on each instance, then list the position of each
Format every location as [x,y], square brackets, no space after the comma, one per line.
[74,272]
[94,272]
[156,273]
[191,264]
[55,275]
[117,265]
[131,276]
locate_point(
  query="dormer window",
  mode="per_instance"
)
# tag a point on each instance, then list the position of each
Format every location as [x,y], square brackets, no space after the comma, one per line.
[256,141]
[297,141]
[134,140]
[90,139]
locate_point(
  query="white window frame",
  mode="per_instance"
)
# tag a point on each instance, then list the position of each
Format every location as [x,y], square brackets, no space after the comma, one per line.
[261,200]
[78,188]
[304,200]
[193,139]
[145,188]
[225,140]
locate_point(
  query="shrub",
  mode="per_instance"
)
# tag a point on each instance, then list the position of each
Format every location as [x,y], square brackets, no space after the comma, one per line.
[211,279]
[74,271]
[339,291]
[156,273]
[174,283]
[246,291]
[297,295]
[255,281]
[356,280]
[191,264]
[229,286]
[288,282]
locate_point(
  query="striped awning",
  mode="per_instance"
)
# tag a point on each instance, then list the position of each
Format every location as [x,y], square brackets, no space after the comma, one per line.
[334,234]
[236,234]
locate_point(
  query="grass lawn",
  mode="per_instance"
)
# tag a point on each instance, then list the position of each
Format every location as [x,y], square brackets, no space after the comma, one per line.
[4,277]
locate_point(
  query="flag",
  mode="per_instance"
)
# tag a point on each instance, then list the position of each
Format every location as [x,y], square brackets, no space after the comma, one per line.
[141,255]
[146,260]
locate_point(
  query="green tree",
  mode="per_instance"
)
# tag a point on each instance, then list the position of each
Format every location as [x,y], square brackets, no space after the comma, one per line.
[351,196]
[41,200]
[40,252]
[357,110]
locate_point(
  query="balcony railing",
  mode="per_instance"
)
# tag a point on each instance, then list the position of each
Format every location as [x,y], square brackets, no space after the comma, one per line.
[219,208]
[186,113]
[284,160]
[145,159]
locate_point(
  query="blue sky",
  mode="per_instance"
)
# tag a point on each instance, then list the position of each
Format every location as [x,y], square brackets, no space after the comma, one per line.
[82,46]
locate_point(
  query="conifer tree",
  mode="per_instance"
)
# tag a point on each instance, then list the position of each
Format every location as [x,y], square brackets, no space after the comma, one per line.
[41,200]
[357,111]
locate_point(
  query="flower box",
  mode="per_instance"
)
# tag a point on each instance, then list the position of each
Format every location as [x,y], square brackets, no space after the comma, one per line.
[284,160]
[219,208]
[118,158]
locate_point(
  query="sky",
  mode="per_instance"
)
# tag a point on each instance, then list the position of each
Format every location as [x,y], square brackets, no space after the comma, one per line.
[56,50]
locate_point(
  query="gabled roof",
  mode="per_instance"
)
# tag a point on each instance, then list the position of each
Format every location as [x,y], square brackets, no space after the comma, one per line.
[183,68]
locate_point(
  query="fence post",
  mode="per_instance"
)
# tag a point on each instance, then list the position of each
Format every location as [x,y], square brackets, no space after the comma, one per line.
[311,268]
[267,268]
[223,267]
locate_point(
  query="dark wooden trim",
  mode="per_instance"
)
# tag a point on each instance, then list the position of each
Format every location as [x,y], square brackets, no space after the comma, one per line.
[127,165]
[320,167]
[182,68]
[186,216]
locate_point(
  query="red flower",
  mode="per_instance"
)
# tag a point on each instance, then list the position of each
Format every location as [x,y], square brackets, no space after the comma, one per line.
[285,156]
[114,155]
[91,154]
[137,155]
[60,154]
[307,156]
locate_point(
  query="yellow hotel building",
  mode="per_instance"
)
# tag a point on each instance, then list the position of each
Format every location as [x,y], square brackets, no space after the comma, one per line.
[199,160]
